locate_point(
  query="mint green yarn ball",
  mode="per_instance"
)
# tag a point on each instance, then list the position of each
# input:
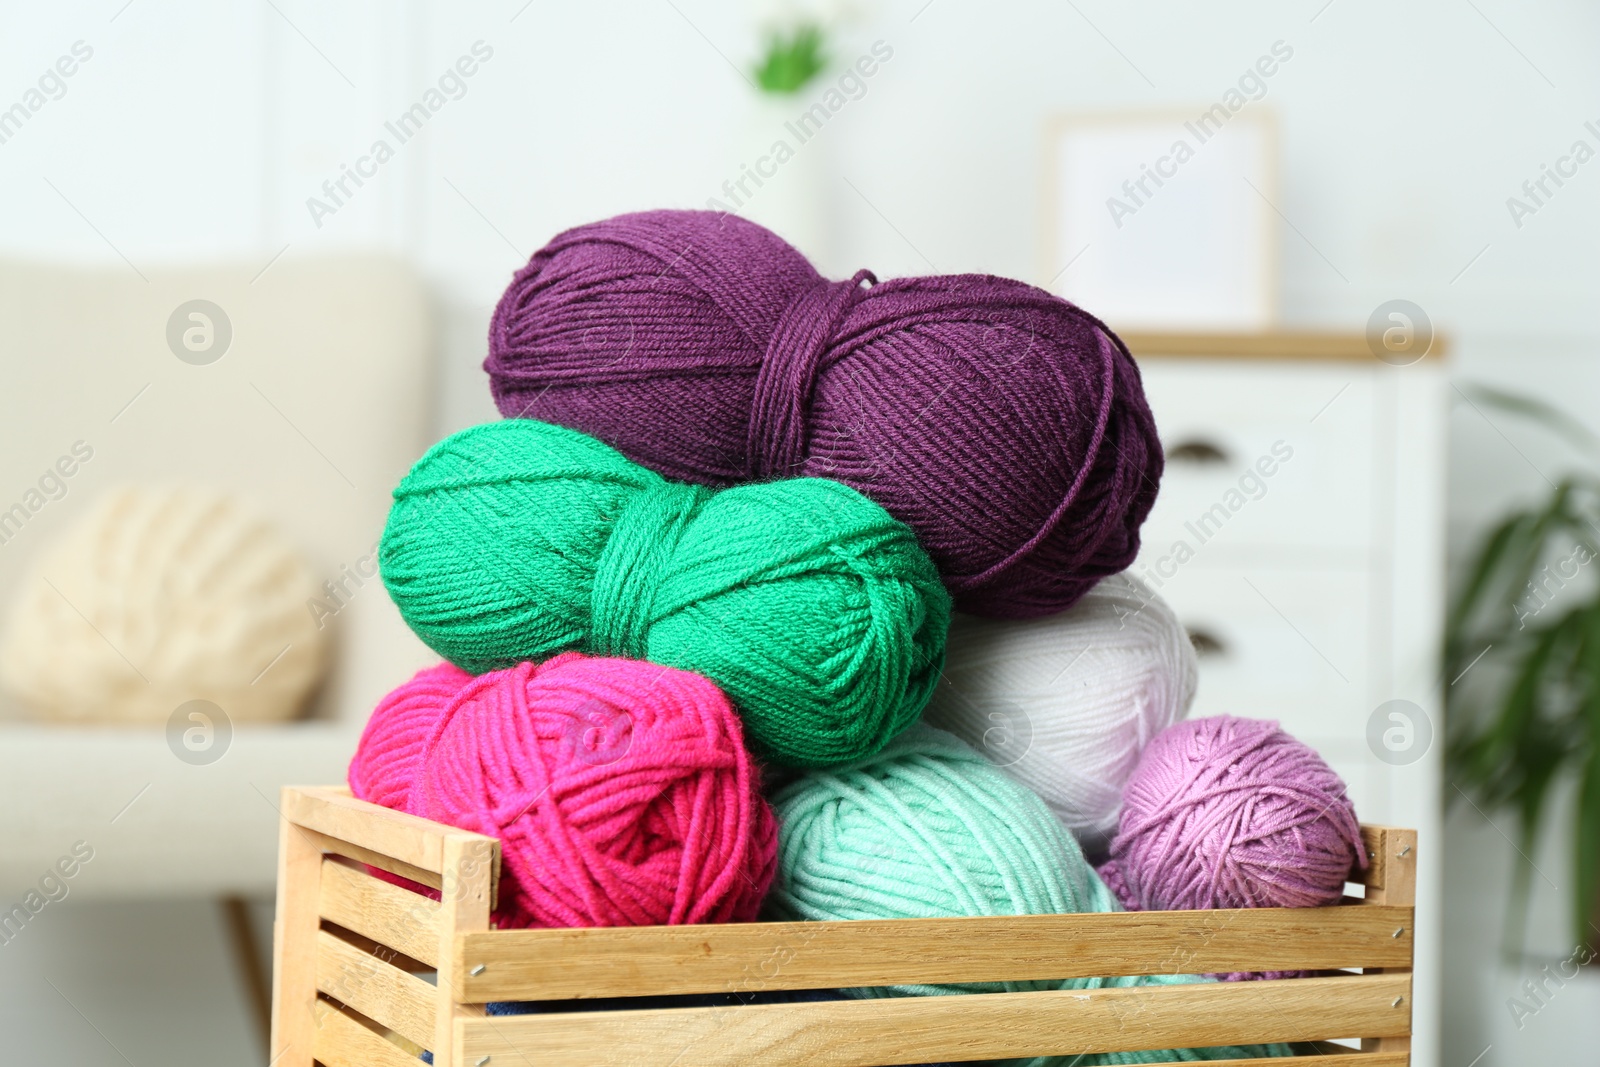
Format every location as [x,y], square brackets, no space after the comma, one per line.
[927,827]
[809,605]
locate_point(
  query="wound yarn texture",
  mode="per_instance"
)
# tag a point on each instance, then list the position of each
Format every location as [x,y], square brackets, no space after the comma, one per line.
[927,828]
[389,756]
[809,605]
[1007,427]
[1226,812]
[621,791]
[1065,705]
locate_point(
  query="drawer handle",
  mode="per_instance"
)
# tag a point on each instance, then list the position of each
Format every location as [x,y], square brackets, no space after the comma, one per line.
[1206,643]
[1200,452]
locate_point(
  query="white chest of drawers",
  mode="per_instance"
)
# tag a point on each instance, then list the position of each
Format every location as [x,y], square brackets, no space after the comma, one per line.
[1299,535]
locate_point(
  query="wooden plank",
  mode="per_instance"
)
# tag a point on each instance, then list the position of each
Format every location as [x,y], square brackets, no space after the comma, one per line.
[413,841]
[1397,849]
[1270,344]
[417,842]
[385,913]
[904,1030]
[1400,1046]
[409,964]
[333,845]
[385,994]
[343,1042]
[294,933]
[469,865]
[624,961]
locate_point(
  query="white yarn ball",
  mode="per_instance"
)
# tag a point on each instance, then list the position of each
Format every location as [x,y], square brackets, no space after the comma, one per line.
[160,596]
[1065,704]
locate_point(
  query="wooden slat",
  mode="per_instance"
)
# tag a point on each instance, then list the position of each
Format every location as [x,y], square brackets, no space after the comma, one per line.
[414,841]
[983,1026]
[333,845]
[387,995]
[385,913]
[294,950]
[623,961]
[1268,344]
[409,964]
[343,1042]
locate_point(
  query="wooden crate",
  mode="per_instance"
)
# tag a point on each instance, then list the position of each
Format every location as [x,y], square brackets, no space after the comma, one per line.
[349,948]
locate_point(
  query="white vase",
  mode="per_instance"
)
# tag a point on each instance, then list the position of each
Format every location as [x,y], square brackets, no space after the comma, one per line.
[780,174]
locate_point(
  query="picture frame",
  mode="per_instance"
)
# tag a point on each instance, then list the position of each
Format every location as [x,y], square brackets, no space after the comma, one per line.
[1164,219]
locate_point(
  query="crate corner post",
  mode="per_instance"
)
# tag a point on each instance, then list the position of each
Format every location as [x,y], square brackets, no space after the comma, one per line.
[294,943]
[465,901]
[1394,856]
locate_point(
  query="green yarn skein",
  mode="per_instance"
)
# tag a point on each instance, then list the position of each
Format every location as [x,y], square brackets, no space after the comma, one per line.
[927,827]
[814,610]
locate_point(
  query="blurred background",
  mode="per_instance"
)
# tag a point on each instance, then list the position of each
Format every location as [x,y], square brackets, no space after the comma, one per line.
[247,261]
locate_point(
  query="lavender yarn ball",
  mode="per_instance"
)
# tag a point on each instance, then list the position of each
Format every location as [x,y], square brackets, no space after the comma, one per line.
[1232,813]
[1007,427]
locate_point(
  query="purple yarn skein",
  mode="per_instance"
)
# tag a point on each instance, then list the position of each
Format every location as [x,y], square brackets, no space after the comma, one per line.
[1232,813]
[1007,427]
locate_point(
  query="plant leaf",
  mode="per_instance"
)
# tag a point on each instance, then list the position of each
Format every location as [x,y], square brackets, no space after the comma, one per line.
[792,60]
[1586,828]
[1547,415]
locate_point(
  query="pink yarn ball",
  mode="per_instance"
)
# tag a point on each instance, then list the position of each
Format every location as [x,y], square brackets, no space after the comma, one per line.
[1232,813]
[389,755]
[621,791]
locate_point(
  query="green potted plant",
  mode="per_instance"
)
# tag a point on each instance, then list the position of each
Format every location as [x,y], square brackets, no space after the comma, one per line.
[1522,674]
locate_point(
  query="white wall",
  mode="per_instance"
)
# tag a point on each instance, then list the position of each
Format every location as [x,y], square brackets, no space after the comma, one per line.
[198,130]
